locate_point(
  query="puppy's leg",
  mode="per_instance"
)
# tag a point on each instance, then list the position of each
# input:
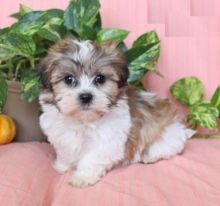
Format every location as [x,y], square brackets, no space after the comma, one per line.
[60,167]
[89,170]
[62,162]
[93,166]
[171,143]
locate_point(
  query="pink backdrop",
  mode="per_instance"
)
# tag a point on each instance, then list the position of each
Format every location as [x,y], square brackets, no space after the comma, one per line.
[189,31]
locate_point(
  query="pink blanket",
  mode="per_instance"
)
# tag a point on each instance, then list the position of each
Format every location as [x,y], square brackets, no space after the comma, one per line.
[191,179]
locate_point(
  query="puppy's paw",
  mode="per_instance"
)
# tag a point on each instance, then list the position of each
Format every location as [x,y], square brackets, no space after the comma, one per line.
[82,180]
[147,160]
[59,167]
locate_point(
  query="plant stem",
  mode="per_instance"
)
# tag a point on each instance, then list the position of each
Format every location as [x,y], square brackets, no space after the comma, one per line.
[18,68]
[216,135]
[157,72]
[10,69]
[32,62]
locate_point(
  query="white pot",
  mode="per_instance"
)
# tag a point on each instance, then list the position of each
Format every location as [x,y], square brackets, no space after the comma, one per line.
[26,115]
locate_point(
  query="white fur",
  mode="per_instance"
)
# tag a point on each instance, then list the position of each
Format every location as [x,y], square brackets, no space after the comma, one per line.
[171,143]
[85,50]
[93,147]
[86,83]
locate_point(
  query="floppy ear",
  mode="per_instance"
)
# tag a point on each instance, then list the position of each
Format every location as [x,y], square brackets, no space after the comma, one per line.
[43,74]
[109,46]
[118,59]
[124,76]
[123,72]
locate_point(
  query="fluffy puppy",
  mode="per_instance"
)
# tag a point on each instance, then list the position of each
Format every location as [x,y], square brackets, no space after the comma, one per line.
[94,120]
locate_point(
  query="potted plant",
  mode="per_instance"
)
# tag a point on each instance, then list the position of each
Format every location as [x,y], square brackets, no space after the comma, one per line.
[24,43]
[200,112]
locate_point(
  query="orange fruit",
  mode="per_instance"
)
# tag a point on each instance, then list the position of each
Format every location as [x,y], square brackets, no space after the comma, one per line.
[7,129]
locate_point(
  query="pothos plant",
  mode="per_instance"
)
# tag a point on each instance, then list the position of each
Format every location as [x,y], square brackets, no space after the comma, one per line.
[24,43]
[201,113]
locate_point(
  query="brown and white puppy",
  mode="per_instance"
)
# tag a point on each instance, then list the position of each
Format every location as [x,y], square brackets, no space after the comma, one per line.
[95,120]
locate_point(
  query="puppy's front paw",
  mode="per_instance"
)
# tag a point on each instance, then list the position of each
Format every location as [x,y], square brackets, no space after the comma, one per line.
[79,179]
[60,167]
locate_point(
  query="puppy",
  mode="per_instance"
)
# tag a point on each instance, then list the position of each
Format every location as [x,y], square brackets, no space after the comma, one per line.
[94,120]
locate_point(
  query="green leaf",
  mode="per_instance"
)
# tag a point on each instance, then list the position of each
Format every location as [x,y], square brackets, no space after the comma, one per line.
[4,31]
[216,99]
[60,29]
[143,56]
[143,63]
[30,86]
[88,33]
[52,13]
[48,33]
[22,11]
[54,21]
[30,23]
[134,53]
[116,35]
[203,114]
[81,12]
[148,42]
[23,43]
[16,45]
[53,29]
[33,21]
[146,39]
[7,51]
[188,90]
[40,51]
[147,59]
[135,75]
[98,24]
[3,93]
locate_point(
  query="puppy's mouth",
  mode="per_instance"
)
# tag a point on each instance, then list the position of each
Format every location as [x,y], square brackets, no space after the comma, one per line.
[86,113]
[82,108]
[86,107]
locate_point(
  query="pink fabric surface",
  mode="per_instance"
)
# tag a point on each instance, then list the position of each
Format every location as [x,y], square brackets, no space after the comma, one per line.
[193,178]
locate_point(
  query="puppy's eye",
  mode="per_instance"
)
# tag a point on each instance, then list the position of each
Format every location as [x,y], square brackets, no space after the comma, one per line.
[100,79]
[70,80]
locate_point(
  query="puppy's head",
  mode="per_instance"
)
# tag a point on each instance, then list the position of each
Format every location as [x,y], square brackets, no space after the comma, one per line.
[85,78]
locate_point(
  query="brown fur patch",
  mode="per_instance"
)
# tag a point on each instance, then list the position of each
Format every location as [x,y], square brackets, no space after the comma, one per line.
[62,46]
[46,97]
[148,122]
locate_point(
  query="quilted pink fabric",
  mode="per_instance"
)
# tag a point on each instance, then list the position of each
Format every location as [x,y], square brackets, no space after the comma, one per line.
[193,178]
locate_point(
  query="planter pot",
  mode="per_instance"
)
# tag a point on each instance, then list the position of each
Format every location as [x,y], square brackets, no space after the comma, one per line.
[26,115]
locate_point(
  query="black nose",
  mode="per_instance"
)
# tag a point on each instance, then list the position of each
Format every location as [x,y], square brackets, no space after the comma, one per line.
[85,98]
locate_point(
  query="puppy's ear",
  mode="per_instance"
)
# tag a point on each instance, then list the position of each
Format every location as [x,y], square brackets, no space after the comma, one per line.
[109,46]
[124,76]
[117,58]
[42,71]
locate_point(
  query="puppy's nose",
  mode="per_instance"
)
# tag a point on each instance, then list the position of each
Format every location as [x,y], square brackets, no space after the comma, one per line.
[85,98]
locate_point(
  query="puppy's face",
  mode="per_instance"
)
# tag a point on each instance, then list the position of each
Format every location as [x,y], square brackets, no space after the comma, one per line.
[85,78]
